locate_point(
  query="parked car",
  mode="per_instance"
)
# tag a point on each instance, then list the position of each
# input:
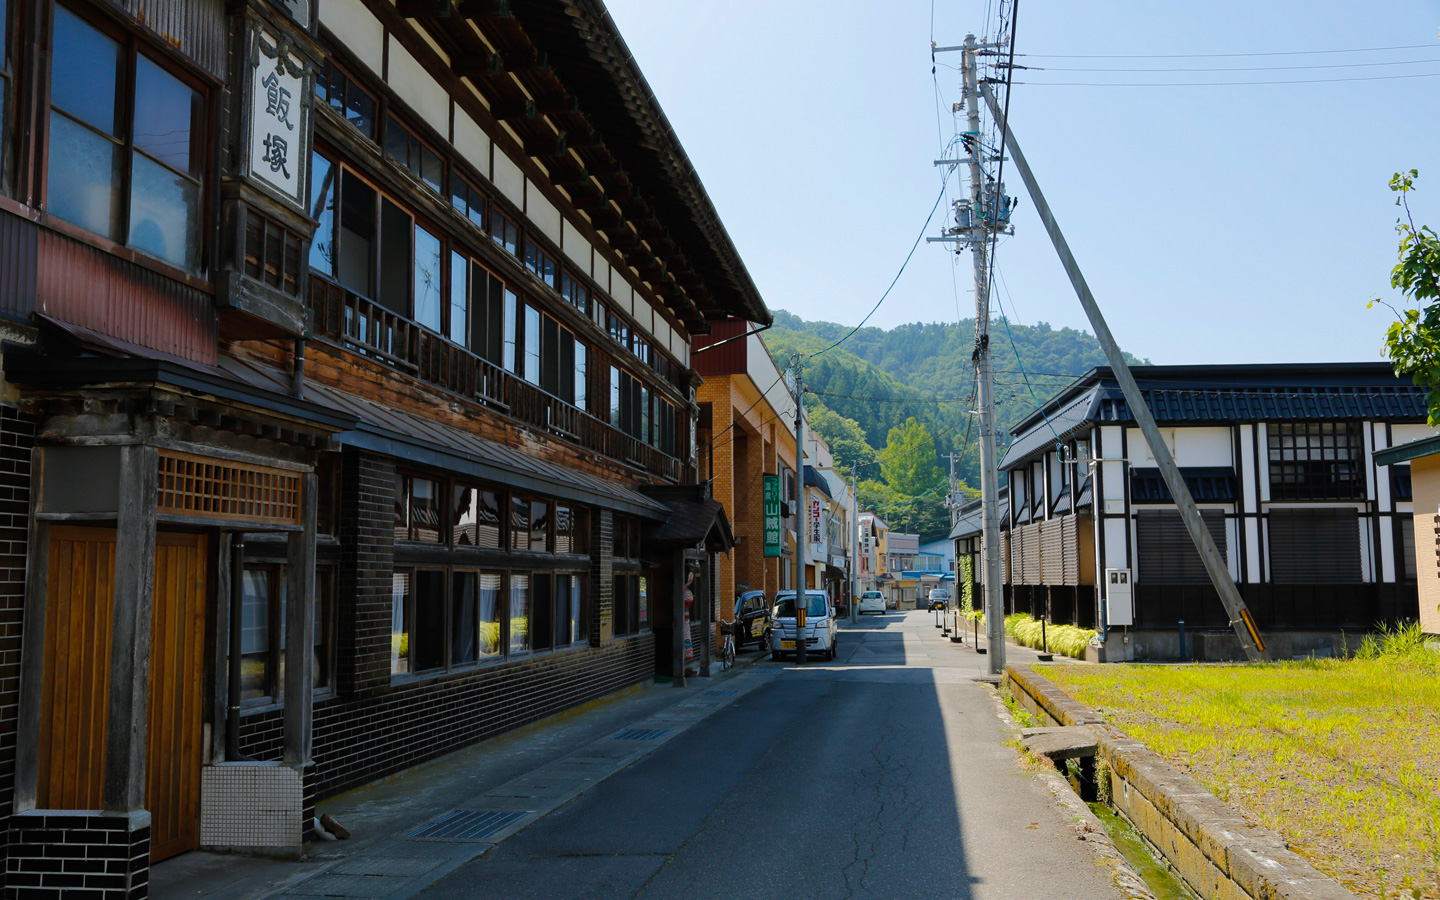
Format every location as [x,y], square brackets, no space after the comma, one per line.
[822,630]
[939,598]
[752,620]
[872,602]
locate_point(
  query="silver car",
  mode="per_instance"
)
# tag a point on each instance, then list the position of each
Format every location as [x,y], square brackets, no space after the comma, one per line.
[821,632]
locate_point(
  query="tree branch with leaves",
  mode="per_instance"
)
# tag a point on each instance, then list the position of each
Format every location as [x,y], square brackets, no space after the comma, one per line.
[1412,342]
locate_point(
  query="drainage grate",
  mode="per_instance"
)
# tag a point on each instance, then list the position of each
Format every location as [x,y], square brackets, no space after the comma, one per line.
[467,825]
[718,693]
[641,734]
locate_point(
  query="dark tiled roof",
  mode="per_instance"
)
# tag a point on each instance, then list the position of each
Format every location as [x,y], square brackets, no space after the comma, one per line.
[817,481]
[1270,404]
[1061,425]
[694,517]
[1207,485]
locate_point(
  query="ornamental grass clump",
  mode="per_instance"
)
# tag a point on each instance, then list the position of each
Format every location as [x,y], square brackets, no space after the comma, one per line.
[1067,640]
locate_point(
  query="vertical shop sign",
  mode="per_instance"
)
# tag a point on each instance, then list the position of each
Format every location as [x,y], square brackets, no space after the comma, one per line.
[772,515]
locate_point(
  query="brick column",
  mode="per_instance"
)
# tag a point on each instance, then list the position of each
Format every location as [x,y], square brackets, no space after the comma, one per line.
[602,580]
[17,439]
[79,854]
[367,562]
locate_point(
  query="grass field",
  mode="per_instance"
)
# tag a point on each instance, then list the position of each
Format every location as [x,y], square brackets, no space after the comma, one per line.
[1341,757]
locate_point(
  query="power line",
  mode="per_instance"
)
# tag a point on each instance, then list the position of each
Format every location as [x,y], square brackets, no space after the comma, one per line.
[1398,62]
[1220,83]
[1222,55]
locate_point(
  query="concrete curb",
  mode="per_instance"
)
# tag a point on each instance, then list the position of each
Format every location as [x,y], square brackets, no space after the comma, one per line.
[1219,853]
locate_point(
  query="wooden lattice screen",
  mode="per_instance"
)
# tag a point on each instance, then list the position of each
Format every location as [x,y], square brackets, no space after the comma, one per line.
[200,487]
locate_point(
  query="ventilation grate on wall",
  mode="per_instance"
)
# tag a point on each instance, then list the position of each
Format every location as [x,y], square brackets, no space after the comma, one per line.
[467,825]
[641,734]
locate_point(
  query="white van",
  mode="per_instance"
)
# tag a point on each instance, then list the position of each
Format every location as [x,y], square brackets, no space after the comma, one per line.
[822,631]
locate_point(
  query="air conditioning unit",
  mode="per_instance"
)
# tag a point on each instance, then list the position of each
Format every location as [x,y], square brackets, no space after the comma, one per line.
[1119,597]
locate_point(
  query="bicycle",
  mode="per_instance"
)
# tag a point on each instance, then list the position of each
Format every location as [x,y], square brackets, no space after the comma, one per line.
[727,647]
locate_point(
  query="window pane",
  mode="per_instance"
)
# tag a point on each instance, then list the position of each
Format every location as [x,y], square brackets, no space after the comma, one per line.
[83,185]
[322,206]
[254,634]
[531,371]
[84,73]
[167,112]
[539,525]
[164,213]
[563,525]
[489,613]
[578,631]
[562,610]
[425,510]
[397,141]
[402,506]
[487,526]
[519,523]
[508,323]
[542,612]
[356,269]
[582,375]
[429,630]
[463,627]
[399,624]
[462,516]
[579,531]
[614,397]
[519,612]
[360,110]
[427,279]
[396,273]
[324,604]
[642,605]
[431,171]
[459,298]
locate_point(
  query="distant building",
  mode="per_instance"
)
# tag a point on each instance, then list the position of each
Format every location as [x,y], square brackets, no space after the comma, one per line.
[1279,460]
[1418,462]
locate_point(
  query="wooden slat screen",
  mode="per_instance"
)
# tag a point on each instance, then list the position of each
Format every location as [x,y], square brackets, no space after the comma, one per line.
[204,488]
[1070,540]
[1052,552]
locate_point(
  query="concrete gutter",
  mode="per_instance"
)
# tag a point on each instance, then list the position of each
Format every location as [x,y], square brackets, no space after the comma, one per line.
[1219,853]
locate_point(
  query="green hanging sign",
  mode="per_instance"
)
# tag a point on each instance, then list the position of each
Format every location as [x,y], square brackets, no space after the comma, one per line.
[772,515]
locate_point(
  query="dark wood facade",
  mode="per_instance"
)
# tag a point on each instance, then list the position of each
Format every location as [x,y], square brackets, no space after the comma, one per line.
[356,307]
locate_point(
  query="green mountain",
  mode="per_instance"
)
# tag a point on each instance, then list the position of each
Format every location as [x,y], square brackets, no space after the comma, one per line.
[879,378]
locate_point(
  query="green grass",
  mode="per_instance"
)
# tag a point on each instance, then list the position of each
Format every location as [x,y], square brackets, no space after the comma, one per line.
[1341,757]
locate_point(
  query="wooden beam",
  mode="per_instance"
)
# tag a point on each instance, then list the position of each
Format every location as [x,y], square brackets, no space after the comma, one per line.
[545,145]
[479,65]
[607,219]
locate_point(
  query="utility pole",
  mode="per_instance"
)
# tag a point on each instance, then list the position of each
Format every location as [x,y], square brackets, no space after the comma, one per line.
[854,546]
[980,226]
[1235,608]
[799,517]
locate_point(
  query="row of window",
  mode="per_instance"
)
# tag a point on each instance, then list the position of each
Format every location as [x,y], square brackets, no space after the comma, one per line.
[430,510]
[262,631]
[357,106]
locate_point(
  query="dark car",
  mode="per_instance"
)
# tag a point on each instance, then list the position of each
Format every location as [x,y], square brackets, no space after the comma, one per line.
[752,619]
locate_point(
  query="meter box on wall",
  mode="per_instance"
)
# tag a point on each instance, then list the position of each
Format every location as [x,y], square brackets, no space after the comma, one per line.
[1119,597]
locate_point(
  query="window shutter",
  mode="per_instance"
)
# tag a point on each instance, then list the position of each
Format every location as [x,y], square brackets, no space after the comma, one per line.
[1315,546]
[1164,551]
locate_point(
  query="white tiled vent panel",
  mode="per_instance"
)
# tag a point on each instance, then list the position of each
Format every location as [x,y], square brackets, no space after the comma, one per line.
[251,805]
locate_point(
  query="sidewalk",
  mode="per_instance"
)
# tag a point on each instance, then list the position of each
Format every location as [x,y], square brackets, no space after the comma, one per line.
[414,828]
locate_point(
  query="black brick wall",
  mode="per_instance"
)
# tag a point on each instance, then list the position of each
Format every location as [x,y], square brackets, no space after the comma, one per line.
[17,439]
[371,728]
[78,856]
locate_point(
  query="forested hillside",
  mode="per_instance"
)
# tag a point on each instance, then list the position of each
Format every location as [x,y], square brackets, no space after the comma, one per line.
[878,379]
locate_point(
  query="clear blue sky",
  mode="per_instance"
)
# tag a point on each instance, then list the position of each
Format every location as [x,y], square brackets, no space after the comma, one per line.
[1214,223]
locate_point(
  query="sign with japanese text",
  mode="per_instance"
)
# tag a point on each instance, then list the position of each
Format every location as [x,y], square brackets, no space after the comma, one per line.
[815,536]
[772,515]
[278,155]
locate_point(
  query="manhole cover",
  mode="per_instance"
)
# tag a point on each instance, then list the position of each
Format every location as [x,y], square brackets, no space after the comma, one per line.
[467,825]
[718,693]
[641,734]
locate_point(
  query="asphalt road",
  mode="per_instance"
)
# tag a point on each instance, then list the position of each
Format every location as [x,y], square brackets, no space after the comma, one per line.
[881,775]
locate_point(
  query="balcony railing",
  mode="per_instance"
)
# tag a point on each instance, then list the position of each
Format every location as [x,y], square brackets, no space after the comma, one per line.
[369,329]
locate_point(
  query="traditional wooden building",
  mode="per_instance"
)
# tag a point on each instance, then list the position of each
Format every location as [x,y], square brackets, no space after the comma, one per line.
[348,411]
[1279,459]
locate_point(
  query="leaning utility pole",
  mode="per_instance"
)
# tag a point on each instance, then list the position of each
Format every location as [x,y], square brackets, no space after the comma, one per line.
[1240,618]
[799,517]
[981,225]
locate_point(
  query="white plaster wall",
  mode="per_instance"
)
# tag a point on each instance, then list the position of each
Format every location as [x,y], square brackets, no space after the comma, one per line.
[509,180]
[1191,446]
[473,143]
[542,213]
[601,273]
[624,294]
[1403,434]
[1117,535]
[662,332]
[644,315]
[575,246]
[356,29]
[418,90]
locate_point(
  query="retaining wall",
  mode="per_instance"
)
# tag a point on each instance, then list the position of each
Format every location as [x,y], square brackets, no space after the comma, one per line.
[1220,854]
